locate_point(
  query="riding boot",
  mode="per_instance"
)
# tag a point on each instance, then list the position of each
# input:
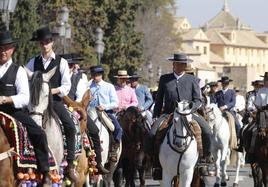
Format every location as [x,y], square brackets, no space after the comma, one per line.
[113,153]
[240,145]
[71,172]
[46,180]
[100,167]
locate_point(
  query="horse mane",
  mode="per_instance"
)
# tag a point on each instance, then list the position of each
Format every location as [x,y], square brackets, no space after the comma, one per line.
[35,90]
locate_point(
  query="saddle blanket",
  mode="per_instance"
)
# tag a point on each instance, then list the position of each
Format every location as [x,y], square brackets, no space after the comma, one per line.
[18,138]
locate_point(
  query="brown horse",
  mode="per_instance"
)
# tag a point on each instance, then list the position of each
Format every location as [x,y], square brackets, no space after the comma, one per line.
[80,107]
[6,164]
[133,156]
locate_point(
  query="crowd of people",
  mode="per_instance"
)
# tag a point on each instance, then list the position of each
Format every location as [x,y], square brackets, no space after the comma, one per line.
[128,91]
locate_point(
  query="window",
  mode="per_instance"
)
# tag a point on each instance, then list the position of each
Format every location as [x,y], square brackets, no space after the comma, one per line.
[197,48]
[205,50]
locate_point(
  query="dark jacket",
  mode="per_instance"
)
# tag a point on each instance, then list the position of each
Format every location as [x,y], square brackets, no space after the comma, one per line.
[227,98]
[170,90]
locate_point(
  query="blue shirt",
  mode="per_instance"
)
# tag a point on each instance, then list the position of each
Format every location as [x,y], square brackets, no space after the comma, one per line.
[103,94]
[144,97]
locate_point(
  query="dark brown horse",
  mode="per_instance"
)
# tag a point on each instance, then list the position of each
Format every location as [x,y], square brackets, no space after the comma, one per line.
[6,165]
[133,156]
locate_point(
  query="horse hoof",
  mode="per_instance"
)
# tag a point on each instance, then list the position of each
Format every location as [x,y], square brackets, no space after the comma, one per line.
[216,185]
[235,185]
[223,184]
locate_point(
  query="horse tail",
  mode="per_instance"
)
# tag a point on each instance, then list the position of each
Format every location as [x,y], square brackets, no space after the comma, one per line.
[233,138]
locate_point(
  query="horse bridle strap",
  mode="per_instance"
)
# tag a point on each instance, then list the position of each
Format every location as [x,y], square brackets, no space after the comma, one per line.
[36,113]
[7,154]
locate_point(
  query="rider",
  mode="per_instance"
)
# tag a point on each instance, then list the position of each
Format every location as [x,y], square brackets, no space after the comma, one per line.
[60,86]
[178,86]
[226,100]
[213,89]
[250,107]
[126,95]
[105,99]
[145,99]
[78,88]
[14,95]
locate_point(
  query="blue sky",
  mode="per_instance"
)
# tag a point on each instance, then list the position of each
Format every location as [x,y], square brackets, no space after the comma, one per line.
[251,12]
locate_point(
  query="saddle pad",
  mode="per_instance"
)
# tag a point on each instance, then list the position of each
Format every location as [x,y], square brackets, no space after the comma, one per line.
[18,138]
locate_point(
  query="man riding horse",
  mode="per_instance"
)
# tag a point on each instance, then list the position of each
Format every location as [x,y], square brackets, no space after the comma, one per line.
[14,95]
[60,86]
[173,87]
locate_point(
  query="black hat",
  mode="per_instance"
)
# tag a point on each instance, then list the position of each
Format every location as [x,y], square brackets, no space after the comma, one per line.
[225,79]
[96,69]
[72,58]
[180,58]
[135,75]
[257,82]
[210,84]
[265,75]
[43,34]
[6,38]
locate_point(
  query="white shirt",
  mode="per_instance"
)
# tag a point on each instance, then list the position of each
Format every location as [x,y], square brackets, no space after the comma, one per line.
[64,71]
[262,97]
[240,103]
[81,87]
[23,96]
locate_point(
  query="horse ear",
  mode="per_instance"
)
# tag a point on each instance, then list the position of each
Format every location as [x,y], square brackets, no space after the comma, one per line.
[47,76]
[29,73]
[86,98]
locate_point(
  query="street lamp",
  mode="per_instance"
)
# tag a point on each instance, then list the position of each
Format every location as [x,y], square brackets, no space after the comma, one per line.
[99,43]
[7,6]
[150,72]
[63,27]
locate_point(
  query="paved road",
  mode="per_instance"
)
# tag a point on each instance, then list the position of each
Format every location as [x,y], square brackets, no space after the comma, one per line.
[245,179]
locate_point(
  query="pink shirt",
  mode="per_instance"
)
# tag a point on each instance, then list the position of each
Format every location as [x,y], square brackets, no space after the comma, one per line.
[126,96]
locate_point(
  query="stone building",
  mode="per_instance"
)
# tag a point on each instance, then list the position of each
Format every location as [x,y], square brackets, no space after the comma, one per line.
[225,46]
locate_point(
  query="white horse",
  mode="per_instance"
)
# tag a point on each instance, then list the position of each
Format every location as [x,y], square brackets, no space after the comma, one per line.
[105,142]
[222,135]
[38,111]
[178,152]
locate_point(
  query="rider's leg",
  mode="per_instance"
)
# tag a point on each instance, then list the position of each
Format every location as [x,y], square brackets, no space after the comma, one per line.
[237,123]
[206,138]
[69,130]
[93,132]
[117,134]
[39,140]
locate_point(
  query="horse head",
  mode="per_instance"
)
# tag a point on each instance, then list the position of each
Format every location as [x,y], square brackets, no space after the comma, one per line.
[80,107]
[40,94]
[213,113]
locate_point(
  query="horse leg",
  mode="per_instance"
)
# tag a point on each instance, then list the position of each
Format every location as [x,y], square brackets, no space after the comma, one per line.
[238,163]
[218,178]
[223,165]
[166,179]
[141,176]
[118,176]
[186,177]
[256,174]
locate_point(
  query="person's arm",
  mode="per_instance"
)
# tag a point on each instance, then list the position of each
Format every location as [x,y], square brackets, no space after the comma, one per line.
[159,98]
[196,95]
[231,104]
[81,89]
[65,80]
[113,99]
[30,65]
[21,99]
[148,98]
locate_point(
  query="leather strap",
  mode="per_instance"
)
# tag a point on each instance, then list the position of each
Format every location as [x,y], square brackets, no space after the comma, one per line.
[7,154]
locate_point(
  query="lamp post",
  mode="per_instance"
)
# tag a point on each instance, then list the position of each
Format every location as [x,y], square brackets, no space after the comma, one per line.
[7,6]
[150,72]
[159,72]
[63,27]
[99,43]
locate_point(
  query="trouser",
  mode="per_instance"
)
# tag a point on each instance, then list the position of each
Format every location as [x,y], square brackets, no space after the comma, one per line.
[38,139]
[69,128]
[237,123]
[93,132]
[206,133]
[117,134]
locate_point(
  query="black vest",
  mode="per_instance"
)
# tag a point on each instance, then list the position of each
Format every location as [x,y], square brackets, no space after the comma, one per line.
[8,87]
[55,80]
[74,79]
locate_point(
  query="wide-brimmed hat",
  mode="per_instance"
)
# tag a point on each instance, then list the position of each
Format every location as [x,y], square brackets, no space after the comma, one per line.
[257,82]
[211,84]
[72,58]
[43,34]
[180,58]
[6,38]
[96,69]
[135,75]
[265,74]
[122,74]
[225,79]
